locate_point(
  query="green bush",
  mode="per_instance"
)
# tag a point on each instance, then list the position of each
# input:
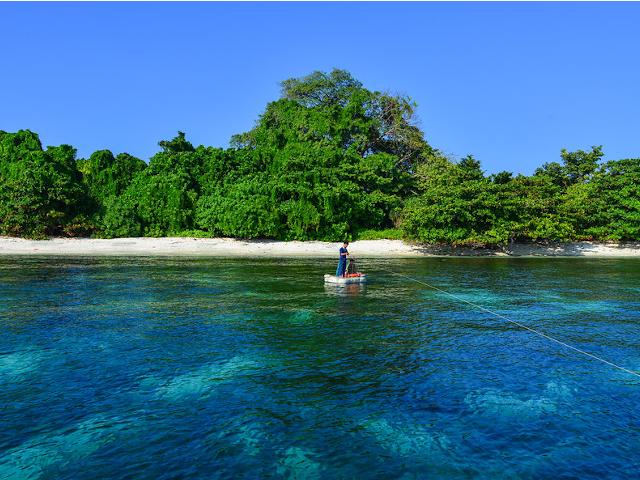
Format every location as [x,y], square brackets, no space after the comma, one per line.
[384,234]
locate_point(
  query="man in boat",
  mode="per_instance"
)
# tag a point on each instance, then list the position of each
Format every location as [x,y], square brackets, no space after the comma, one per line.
[342,264]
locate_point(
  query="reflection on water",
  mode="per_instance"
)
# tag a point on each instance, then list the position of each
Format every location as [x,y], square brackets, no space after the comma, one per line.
[334,289]
[160,368]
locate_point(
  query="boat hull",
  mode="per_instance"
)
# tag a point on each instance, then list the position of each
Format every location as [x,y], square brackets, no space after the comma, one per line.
[345,280]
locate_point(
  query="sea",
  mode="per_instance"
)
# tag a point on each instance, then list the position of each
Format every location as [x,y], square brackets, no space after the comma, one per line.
[214,368]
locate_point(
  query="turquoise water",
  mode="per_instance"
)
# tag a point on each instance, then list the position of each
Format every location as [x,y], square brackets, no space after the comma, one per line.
[213,368]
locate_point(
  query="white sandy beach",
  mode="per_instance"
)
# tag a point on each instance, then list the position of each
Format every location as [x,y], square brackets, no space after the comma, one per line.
[227,247]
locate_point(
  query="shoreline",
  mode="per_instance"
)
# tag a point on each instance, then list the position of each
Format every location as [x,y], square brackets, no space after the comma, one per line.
[228,247]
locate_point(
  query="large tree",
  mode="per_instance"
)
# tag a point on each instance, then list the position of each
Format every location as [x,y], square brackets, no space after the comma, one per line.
[325,160]
[160,198]
[107,177]
[40,190]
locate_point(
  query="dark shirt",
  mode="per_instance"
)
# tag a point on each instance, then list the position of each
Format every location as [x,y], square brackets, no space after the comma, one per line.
[343,252]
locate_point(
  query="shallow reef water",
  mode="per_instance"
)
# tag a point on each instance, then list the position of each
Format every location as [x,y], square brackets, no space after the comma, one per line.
[207,368]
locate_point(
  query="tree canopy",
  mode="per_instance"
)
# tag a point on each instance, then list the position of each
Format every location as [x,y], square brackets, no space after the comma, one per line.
[329,160]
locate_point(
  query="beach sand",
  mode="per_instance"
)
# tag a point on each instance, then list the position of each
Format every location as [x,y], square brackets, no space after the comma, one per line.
[227,247]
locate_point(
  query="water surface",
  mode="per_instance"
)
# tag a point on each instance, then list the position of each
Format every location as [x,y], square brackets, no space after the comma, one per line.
[220,368]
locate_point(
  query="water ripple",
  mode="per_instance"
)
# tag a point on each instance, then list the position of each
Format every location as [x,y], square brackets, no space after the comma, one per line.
[161,368]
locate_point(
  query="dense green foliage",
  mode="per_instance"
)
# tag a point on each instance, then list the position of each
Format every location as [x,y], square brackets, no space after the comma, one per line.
[328,160]
[579,199]
[40,190]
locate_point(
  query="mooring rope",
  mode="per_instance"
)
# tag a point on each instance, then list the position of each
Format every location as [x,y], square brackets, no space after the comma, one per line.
[532,330]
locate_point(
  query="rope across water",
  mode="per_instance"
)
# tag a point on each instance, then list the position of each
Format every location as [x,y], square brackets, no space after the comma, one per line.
[532,330]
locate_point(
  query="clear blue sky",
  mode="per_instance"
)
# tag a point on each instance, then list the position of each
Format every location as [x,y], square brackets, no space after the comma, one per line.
[511,84]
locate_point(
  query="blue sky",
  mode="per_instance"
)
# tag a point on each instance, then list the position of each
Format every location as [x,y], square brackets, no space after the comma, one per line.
[510,83]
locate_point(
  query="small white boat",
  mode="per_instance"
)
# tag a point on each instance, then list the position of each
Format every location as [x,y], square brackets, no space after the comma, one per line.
[361,278]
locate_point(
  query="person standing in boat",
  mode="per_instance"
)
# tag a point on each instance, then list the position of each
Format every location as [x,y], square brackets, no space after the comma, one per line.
[342,264]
